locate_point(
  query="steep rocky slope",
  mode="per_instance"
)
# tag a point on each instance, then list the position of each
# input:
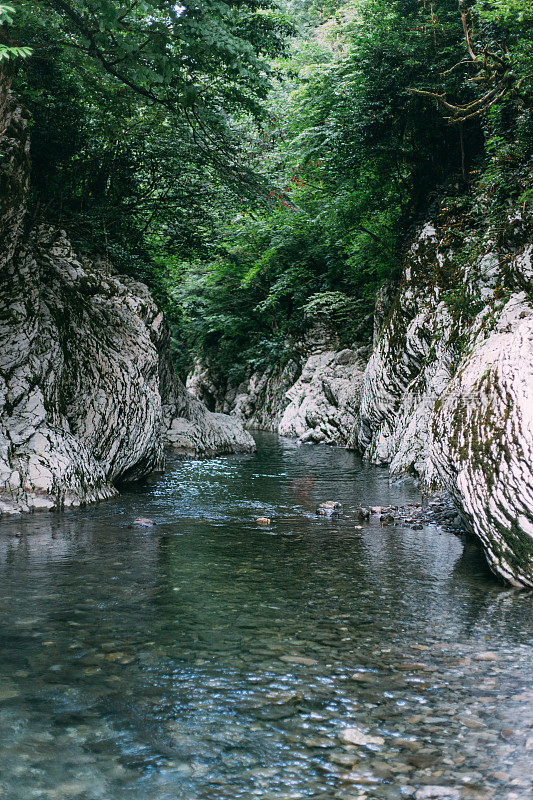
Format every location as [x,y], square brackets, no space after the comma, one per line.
[314,397]
[447,394]
[88,396]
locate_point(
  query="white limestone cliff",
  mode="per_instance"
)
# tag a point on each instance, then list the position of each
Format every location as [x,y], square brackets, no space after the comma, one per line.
[447,395]
[88,397]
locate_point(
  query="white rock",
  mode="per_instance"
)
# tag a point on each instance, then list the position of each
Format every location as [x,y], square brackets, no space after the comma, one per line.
[465,424]
[88,394]
[358,737]
[437,793]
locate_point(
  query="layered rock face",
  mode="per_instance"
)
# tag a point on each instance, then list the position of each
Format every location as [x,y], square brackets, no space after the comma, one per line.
[325,399]
[88,396]
[481,440]
[313,398]
[447,395]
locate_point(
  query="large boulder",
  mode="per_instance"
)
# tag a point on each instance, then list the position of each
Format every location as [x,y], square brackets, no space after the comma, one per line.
[482,441]
[447,395]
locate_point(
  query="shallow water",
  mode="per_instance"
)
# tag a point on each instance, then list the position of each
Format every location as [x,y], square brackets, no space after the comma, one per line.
[208,658]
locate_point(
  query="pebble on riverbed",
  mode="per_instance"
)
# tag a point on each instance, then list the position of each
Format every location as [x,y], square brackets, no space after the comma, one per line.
[359,738]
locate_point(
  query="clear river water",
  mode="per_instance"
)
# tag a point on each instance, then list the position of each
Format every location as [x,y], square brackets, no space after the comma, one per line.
[208,658]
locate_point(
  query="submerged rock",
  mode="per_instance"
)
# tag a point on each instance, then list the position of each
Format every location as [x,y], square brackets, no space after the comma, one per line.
[437,793]
[358,737]
[143,522]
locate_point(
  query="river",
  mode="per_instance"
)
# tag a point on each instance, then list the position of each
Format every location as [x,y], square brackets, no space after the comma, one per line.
[209,658]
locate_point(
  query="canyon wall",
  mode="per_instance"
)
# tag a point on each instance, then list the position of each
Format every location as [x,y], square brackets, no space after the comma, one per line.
[313,396]
[88,396]
[445,393]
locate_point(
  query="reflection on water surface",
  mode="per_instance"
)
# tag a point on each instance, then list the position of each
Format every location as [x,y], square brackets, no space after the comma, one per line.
[209,659]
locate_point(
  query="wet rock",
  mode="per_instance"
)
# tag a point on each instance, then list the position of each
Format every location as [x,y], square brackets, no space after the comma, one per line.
[344,759]
[360,738]
[263,520]
[422,760]
[486,656]
[318,742]
[306,662]
[437,793]
[386,519]
[8,690]
[508,734]
[142,522]
[329,508]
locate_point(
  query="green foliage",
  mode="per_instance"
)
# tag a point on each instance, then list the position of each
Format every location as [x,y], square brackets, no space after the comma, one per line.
[260,183]
[359,158]
[8,52]
[138,146]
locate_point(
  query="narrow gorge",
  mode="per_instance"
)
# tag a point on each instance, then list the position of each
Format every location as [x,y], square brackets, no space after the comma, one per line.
[444,400]
[266,400]
[440,398]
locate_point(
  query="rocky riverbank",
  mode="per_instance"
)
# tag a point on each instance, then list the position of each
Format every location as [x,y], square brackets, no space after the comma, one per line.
[444,395]
[88,395]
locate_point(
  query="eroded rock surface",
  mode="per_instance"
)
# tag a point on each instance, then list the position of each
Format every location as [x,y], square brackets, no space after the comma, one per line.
[324,401]
[447,395]
[88,396]
[314,397]
[482,440]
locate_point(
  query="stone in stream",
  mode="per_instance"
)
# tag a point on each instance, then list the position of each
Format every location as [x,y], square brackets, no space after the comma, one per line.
[363,513]
[329,508]
[437,793]
[358,737]
[142,522]
[306,662]
[263,520]
[487,655]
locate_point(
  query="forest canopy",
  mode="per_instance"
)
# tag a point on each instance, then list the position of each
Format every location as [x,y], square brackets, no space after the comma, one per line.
[263,165]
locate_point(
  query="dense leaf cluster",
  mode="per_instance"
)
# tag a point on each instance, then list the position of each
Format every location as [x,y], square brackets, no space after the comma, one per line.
[361,151]
[263,166]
